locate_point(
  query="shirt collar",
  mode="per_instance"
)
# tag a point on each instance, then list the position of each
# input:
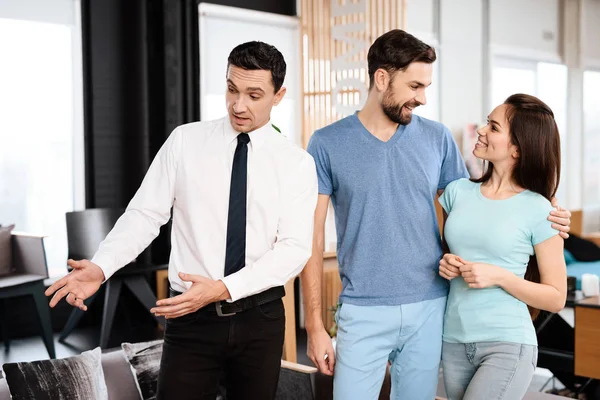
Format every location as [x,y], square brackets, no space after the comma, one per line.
[257,136]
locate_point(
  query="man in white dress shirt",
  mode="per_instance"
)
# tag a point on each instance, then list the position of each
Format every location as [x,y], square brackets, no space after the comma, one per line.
[243,199]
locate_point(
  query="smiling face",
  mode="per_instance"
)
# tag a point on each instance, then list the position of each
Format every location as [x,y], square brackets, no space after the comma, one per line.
[250,97]
[405,91]
[495,143]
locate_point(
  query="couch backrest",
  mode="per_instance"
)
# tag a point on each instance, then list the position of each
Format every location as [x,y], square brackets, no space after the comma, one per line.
[118,376]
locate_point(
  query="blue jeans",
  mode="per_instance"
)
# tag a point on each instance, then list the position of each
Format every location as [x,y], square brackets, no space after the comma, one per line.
[491,371]
[409,336]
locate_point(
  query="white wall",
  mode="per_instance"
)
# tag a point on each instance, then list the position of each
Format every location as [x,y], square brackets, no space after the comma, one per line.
[529,27]
[420,18]
[474,31]
[591,33]
[591,124]
[461,63]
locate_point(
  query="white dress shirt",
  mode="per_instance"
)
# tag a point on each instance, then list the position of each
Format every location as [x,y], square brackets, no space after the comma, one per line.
[192,174]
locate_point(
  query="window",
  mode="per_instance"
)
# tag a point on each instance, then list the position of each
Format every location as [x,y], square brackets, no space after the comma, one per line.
[507,80]
[41,128]
[591,138]
[547,81]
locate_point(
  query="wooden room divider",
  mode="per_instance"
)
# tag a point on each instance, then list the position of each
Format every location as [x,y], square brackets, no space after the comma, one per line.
[336,35]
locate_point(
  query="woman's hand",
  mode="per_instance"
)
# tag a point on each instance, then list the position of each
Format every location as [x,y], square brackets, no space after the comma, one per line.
[561,219]
[481,275]
[450,266]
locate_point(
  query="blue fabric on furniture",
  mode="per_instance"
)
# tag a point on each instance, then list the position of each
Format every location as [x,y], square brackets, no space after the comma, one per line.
[578,268]
[569,258]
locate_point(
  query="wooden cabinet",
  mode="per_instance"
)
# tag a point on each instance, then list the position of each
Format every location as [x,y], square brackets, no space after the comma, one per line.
[587,338]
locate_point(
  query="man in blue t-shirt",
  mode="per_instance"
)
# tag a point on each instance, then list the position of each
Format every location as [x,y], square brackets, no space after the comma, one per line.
[382,168]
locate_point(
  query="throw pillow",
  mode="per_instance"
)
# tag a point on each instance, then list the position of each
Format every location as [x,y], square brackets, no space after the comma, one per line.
[144,359]
[79,377]
[6,250]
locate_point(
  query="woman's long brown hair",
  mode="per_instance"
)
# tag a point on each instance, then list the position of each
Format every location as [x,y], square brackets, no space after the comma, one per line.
[534,132]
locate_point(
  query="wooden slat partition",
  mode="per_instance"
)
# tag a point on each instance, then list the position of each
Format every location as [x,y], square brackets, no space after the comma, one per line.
[320,50]
[289,342]
[577,222]
[332,287]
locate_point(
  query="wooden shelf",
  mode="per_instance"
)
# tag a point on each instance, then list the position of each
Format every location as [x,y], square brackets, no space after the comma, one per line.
[593,301]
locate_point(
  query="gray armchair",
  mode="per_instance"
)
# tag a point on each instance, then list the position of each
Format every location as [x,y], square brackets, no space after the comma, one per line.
[27,279]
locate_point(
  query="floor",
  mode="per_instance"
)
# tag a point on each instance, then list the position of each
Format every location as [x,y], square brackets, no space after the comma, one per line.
[32,348]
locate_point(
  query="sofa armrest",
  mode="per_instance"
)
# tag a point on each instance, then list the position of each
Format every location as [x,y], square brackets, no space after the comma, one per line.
[29,256]
[305,369]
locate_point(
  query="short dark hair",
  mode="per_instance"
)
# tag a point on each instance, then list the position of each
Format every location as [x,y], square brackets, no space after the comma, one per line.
[259,55]
[395,51]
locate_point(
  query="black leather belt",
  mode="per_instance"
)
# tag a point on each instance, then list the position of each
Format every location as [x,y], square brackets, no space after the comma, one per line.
[225,308]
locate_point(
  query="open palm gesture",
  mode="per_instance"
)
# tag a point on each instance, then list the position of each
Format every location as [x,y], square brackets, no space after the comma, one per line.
[81,283]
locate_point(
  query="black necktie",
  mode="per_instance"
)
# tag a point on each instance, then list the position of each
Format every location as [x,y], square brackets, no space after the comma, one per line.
[235,253]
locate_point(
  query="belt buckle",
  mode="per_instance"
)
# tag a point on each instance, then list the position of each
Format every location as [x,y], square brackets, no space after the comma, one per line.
[220,312]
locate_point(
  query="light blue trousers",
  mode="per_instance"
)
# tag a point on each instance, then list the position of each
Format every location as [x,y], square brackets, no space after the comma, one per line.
[490,371]
[410,336]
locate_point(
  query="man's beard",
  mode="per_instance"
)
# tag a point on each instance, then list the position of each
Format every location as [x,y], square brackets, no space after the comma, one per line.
[394,111]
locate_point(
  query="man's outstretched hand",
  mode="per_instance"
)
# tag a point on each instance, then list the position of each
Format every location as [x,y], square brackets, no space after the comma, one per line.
[81,283]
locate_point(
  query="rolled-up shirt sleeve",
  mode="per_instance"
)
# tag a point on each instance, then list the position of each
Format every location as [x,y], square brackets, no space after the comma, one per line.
[148,210]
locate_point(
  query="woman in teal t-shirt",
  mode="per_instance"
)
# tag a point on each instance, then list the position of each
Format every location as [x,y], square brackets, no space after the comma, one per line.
[494,225]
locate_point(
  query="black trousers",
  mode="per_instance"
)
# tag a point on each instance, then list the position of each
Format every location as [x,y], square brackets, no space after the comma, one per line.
[202,350]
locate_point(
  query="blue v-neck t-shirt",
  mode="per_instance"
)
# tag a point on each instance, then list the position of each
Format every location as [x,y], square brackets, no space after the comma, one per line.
[383,193]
